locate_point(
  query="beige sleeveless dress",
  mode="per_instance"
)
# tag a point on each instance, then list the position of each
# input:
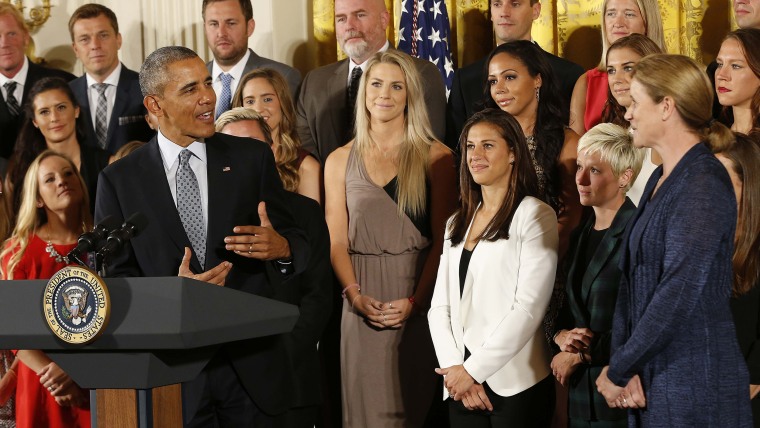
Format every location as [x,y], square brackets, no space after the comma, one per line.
[388,377]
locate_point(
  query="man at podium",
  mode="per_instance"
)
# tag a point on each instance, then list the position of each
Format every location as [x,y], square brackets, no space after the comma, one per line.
[216,213]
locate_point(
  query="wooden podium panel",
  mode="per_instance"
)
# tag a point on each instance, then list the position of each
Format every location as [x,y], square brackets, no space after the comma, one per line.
[117,408]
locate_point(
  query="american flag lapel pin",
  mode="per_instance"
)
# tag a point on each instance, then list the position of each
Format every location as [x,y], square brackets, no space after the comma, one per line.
[226,169]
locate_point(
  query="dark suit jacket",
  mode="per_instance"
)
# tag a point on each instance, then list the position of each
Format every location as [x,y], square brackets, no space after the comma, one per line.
[311,291]
[8,127]
[321,108]
[591,304]
[128,117]
[469,82]
[291,75]
[241,172]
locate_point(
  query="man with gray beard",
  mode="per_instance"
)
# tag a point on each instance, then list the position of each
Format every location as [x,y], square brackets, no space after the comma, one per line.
[327,98]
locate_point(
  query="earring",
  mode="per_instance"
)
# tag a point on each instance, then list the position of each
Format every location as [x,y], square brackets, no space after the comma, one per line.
[40,204]
[538,96]
[512,162]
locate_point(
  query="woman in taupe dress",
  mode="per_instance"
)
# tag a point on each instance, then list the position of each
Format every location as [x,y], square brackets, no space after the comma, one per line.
[388,194]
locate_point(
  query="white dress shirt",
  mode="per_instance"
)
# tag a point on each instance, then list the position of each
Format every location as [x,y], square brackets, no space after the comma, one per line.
[93,95]
[236,72]
[198,163]
[352,64]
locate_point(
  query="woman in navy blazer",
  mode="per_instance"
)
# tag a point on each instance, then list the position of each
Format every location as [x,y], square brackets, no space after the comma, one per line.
[494,283]
[672,325]
[608,164]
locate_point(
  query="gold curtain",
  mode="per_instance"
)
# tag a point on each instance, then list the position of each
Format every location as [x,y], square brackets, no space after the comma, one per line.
[569,28]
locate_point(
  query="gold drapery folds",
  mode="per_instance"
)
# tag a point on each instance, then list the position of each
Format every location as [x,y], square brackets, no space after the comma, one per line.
[568,28]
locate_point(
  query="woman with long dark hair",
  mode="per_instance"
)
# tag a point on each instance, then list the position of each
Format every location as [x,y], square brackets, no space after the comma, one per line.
[742,161]
[52,122]
[494,283]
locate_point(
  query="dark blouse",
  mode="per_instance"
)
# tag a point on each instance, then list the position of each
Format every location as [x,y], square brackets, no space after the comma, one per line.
[746,312]
[422,222]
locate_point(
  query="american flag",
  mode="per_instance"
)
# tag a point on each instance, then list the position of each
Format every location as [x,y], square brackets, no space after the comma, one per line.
[424,33]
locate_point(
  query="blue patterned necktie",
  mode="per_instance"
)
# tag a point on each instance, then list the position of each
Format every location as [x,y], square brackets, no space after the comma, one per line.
[225,98]
[190,206]
[101,117]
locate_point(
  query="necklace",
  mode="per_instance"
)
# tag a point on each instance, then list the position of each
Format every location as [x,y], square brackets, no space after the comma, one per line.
[53,253]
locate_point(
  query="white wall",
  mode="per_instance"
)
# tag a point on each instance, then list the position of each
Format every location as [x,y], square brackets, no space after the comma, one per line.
[283,30]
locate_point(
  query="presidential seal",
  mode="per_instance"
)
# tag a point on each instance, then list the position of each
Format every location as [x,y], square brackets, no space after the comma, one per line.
[76,305]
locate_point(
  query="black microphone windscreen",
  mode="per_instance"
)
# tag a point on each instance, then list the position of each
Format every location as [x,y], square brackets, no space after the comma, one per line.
[138,221]
[109,223]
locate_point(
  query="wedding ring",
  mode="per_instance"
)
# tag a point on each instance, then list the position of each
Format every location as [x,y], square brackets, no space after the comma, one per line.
[390,305]
[384,318]
[50,388]
[625,403]
[250,248]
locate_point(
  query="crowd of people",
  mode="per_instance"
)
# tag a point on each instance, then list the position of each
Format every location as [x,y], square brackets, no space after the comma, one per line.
[547,247]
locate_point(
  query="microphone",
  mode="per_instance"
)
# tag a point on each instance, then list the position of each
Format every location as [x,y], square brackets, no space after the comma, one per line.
[89,241]
[132,227]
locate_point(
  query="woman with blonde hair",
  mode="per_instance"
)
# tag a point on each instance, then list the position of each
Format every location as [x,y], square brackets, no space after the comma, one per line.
[620,18]
[54,212]
[266,91]
[673,333]
[388,194]
[608,164]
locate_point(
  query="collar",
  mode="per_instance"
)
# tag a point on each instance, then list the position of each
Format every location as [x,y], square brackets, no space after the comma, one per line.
[20,77]
[236,71]
[112,79]
[170,151]
[352,64]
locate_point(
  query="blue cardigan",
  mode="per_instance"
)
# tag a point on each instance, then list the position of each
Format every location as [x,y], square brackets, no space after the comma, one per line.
[672,323]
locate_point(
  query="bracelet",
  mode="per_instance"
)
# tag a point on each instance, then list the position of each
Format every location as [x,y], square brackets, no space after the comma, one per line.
[345,289]
[414,302]
[354,299]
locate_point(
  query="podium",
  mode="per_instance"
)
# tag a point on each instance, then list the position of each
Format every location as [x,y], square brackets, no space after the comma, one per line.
[161,331]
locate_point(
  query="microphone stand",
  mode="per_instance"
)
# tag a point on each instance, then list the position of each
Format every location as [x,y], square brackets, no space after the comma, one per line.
[100,264]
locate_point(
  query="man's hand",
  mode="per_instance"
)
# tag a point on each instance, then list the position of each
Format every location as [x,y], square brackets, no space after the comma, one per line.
[215,276]
[259,242]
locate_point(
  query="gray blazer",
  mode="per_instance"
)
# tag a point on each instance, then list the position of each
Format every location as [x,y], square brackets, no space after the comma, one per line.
[322,114]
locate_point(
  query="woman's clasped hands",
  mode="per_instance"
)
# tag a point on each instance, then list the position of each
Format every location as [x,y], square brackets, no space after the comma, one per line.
[383,314]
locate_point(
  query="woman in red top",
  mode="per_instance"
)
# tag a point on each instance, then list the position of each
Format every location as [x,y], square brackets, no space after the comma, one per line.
[54,211]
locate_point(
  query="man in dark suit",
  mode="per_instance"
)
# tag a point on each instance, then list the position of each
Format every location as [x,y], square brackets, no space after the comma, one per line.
[228,25]
[207,192]
[18,74]
[511,21]
[325,105]
[108,93]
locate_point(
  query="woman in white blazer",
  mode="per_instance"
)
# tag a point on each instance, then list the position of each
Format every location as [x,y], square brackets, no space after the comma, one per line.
[494,283]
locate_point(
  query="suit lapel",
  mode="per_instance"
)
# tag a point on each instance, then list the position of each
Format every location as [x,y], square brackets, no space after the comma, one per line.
[120,104]
[609,246]
[336,88]
[220,176]
[79,87]
[576,303]
[159,198]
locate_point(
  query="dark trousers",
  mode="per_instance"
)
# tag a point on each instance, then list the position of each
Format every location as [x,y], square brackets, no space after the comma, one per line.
[216,399]
[298,417]
[531,408]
